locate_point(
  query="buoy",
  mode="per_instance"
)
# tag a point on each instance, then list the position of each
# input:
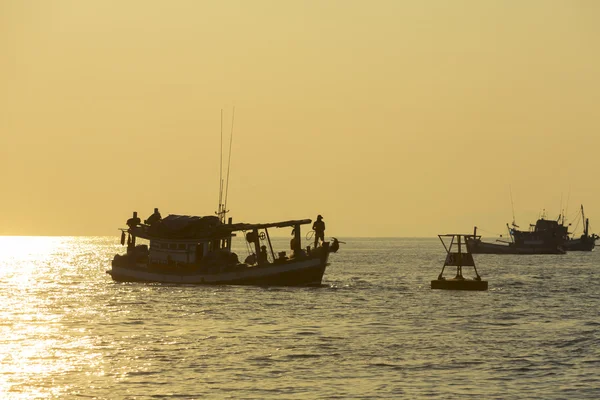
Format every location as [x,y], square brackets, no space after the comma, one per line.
[459,260]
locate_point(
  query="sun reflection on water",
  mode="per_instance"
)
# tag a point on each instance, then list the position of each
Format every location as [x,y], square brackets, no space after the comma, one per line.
[40,343]
[28,247]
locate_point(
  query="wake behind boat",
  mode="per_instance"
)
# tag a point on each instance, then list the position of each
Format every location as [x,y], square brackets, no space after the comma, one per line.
[197,250]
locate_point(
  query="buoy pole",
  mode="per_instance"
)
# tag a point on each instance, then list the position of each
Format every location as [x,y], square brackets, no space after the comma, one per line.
[459,261]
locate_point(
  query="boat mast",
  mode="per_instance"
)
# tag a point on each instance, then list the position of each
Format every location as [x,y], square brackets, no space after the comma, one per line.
[512,204]
[220,207]
[510,231]
[228,163]
[585,221]
[224,184]
[568,198]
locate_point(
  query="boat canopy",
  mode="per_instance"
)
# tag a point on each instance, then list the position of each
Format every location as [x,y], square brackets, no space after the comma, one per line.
[250,227]
[178,222]
[188,227]
[179,227]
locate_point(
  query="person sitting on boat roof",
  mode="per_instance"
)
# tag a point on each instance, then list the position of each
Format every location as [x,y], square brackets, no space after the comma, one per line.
[154,218]
[319,228]
[262,256]
[133,221]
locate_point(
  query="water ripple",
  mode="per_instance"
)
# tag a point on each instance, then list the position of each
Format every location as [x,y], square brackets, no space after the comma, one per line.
[373,330]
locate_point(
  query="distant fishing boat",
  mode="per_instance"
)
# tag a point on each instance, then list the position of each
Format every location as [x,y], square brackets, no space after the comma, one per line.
[545,237]
[585,242]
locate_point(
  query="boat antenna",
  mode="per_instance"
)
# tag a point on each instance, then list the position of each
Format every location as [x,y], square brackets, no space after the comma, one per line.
[220,208]
[585,225]
[568,197]
[513,207]
[228,165]
[562,210]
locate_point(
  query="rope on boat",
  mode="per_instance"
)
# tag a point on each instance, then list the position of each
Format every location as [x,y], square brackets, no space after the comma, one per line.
[578,219]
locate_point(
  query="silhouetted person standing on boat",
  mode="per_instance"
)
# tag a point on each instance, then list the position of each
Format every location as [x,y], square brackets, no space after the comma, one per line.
[262,256]
[294,243]
[154,218]
[319,228]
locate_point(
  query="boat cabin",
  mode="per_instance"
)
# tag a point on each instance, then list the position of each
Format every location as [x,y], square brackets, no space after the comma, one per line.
[165,251]
[191,240]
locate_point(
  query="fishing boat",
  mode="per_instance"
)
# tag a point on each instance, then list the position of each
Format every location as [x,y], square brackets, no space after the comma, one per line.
[459,257]
[545,237]
[585,242]
[197,249]
[185,249]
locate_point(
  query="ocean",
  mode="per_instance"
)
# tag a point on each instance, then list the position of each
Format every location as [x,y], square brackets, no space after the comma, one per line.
[374,330]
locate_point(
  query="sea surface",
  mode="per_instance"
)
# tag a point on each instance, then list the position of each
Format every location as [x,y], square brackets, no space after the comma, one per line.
[374,330]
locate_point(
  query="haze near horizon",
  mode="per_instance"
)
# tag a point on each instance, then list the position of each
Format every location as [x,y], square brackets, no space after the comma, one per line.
[389,118]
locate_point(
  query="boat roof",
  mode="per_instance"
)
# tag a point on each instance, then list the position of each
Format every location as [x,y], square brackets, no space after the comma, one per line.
[189,227]
[248,227]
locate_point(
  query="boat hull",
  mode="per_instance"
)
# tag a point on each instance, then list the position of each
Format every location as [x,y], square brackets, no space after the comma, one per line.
[580,245]
[307,272]
[479,247]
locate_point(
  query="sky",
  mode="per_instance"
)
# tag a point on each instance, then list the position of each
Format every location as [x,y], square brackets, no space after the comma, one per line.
[388,117]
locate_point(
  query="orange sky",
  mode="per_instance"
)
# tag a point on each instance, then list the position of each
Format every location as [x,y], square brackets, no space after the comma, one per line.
[390,118]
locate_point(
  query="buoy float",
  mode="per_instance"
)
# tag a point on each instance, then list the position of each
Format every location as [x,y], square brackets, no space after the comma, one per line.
[459,260]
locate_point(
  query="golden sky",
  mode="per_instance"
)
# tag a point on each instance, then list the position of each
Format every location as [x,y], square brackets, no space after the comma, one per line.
[388,117]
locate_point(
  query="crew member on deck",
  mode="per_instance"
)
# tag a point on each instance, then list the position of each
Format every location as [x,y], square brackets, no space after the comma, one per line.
[319,228]
[154,218]
[262,256]
[294,244]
